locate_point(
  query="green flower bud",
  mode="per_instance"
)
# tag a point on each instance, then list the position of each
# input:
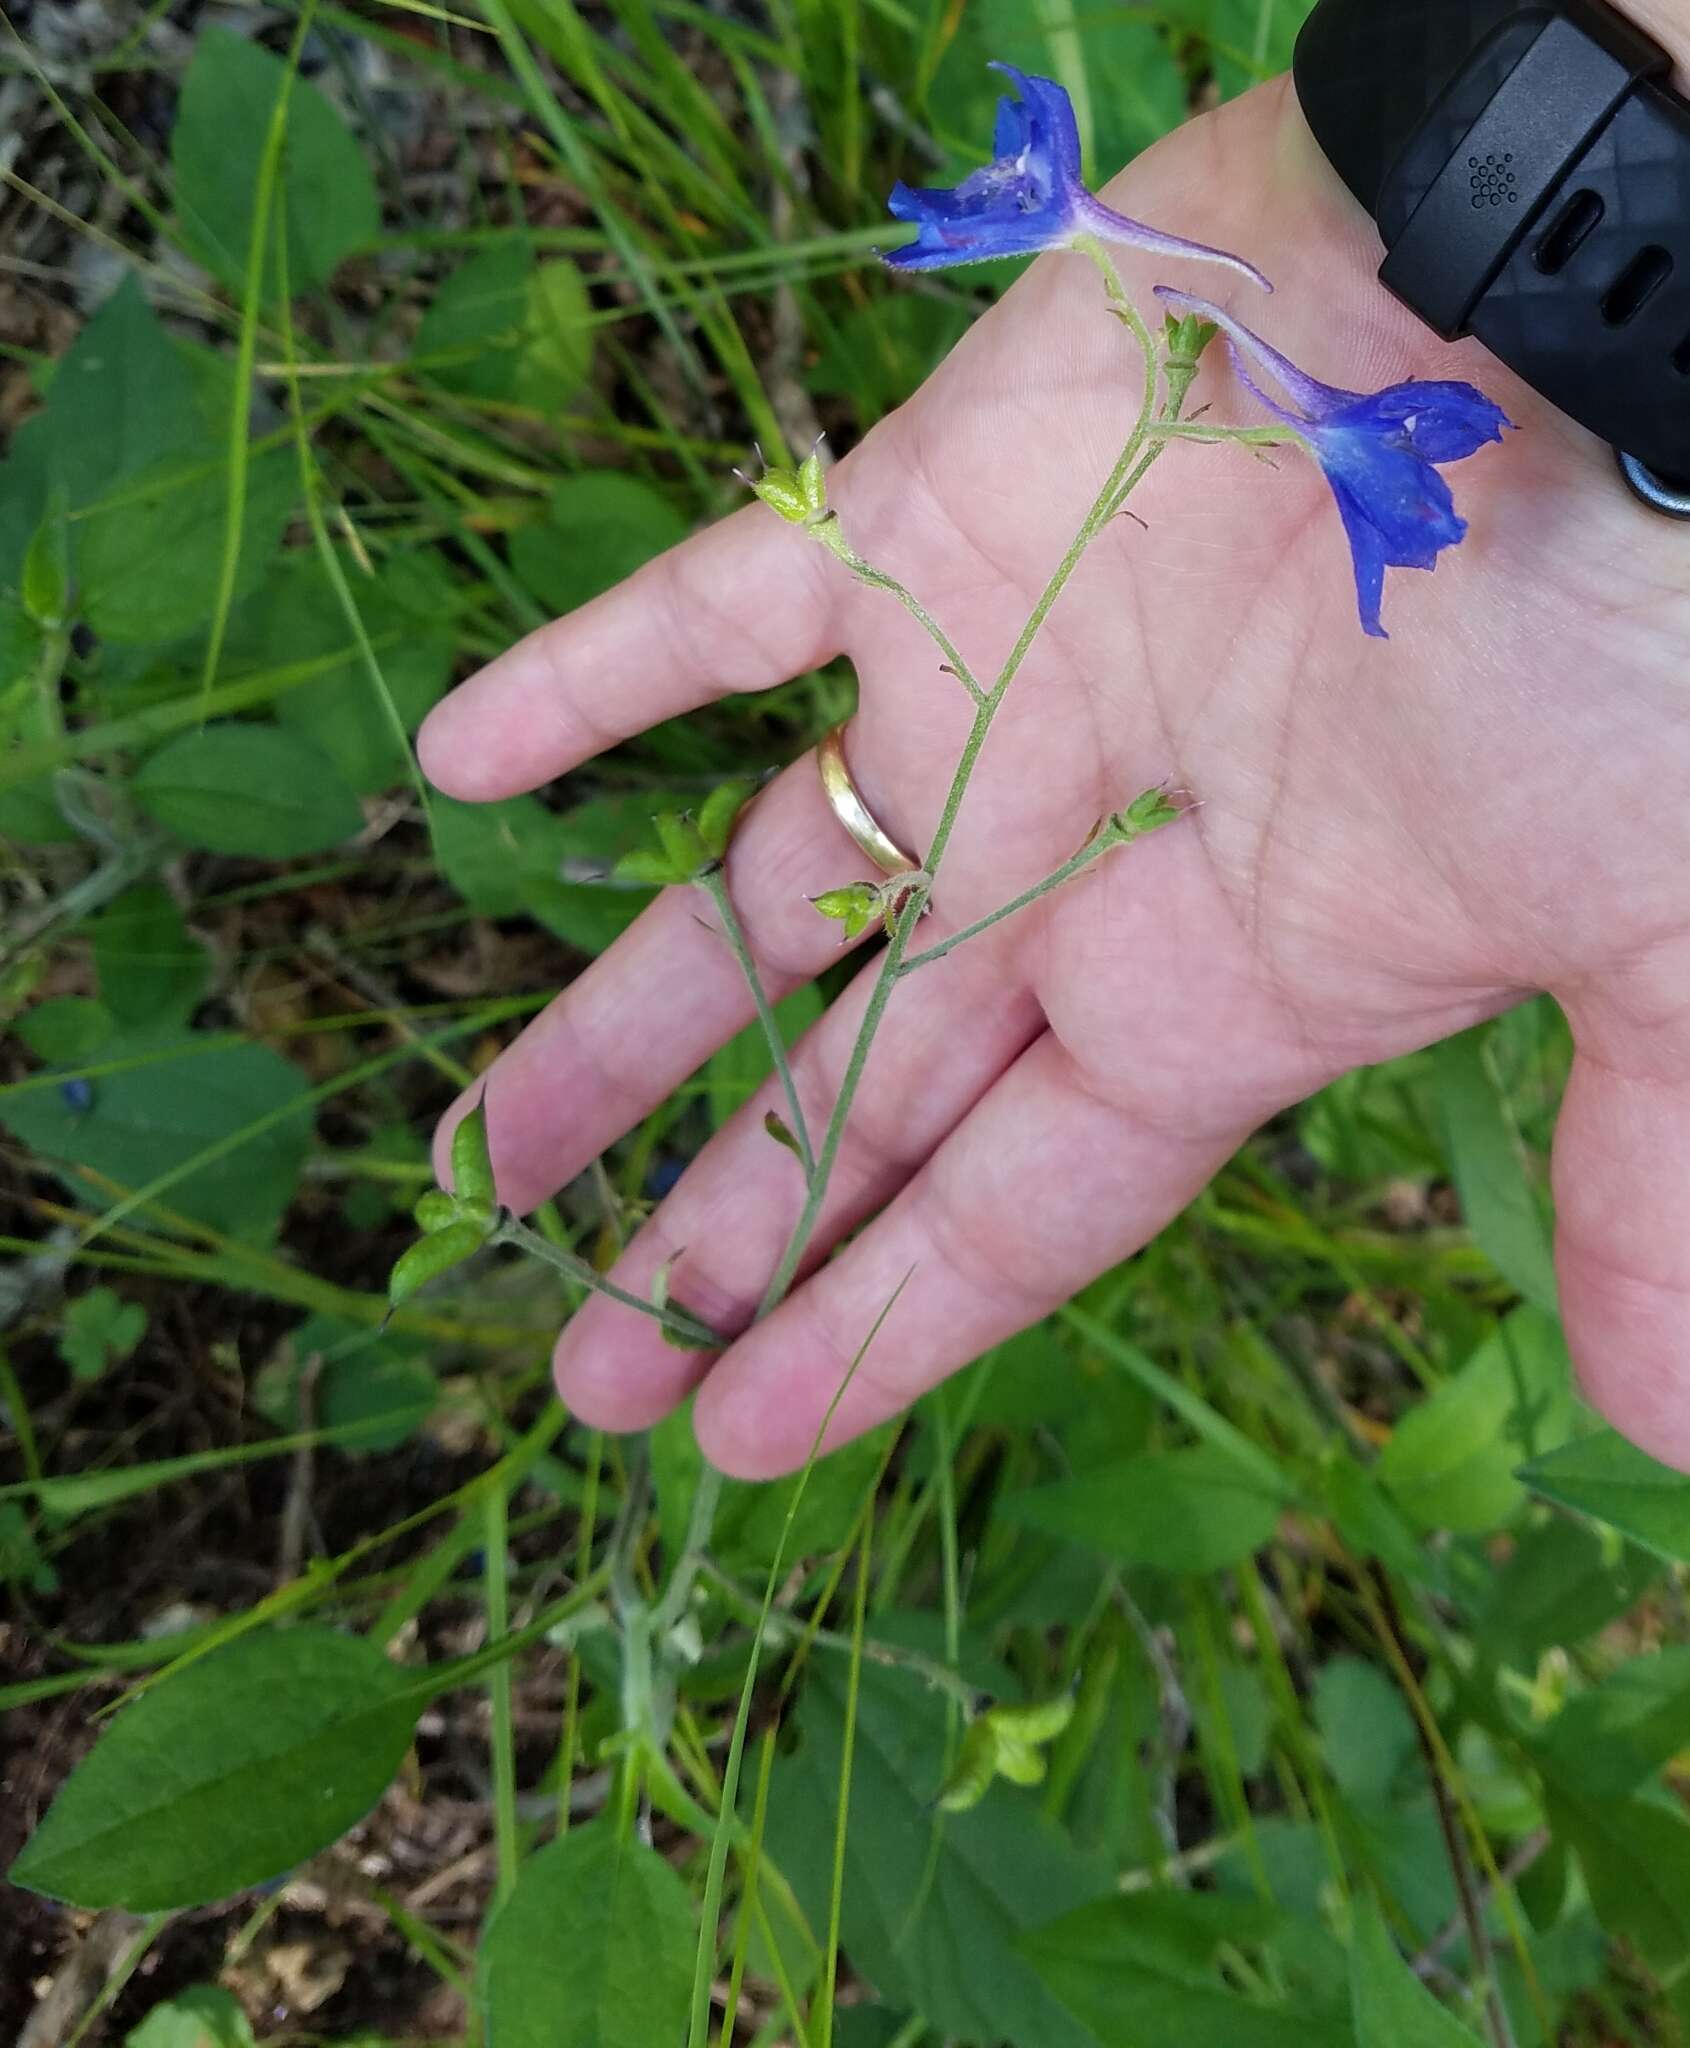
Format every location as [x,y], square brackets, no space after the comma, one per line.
[1146,813]
[431,1256]
[856,907]
[472,1162]
[682,843]
[1187,338]
[781,491]
[1019,1762]
[976,1766]
[646,866]
[719,813]
[1042,1721]
[799,496]
[435,1210]
[812,484]
[778,1129]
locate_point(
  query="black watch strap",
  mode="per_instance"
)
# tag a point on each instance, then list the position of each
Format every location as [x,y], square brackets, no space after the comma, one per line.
[1529,169]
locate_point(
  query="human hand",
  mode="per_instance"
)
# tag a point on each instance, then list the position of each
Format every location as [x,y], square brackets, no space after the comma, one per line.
[1397,839]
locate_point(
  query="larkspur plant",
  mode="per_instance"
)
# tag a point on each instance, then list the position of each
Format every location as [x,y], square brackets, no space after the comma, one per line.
[1380,454]
[319,1719]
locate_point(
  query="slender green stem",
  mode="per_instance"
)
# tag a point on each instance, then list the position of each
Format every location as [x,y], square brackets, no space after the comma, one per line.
[691,1561]
[495,1580]
[714,883]
[877,579]
[246,354]
[1066,873]
[677,1322]
[1103,508]
[1246,437]
[941,1677]
[847,1759]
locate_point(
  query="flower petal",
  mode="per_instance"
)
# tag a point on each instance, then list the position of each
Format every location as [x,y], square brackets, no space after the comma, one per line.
[1367,551]
[1441,421]
[1047,126]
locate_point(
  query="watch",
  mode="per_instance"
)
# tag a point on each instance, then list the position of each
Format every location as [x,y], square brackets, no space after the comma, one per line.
[1529,170]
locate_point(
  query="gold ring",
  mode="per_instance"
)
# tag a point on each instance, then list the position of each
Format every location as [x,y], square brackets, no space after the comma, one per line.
[853,813]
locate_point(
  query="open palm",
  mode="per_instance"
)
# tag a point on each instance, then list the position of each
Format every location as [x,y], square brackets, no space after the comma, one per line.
[1395,840]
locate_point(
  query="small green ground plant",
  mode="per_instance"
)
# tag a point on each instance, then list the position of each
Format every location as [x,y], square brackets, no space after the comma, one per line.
[1267,1648]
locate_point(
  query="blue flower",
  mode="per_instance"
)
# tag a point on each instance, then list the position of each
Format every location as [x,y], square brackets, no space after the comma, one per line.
[1030,198]
[1380,452]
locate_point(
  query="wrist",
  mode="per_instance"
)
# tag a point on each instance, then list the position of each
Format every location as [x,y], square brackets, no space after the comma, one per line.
[1667,22]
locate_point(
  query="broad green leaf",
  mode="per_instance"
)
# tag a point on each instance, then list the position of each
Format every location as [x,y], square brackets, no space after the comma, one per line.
[1635,1854]
[151,1118]
[593,1949]
[122,399]
[226,1774]
[100,1329]
[1140,1972]
[149,551]
[205,2016]
[510,859]
[380,1386]
[1564,1582]
[932,1903]
[868,2026]
[1194,1510]
[505,328]
[599,527]
[327,193]
[474,327]
[1503,1207]
[1451,1461]
[1621,1733]
[29,717]
[1390,2006]
[247,789]
[296,616]
[1612,1481]
[23,495]
[152,970]
[66,1029]
[557,347]
[1366,1730]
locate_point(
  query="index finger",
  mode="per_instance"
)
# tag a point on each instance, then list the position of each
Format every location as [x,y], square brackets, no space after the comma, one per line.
[741,606]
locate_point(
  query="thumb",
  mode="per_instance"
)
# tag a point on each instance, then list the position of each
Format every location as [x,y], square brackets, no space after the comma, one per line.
[1622,1192]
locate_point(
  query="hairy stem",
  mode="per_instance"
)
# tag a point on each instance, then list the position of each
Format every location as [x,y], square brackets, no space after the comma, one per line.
[714,883]
[1066,873]
[877,579]
[1104,507]
[677,1322]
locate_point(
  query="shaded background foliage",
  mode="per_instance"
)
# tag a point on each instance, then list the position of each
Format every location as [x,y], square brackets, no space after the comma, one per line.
[1376,1644]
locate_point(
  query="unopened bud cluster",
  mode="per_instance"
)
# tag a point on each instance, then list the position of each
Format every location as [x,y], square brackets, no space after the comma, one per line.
[1004,1742]
[859,904]
[689,844]
[455,1225]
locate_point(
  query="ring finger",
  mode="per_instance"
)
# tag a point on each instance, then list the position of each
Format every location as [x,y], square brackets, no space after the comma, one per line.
[665,996]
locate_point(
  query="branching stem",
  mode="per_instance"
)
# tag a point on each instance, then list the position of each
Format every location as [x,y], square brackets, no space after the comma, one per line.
[676,1321]
[714,883]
